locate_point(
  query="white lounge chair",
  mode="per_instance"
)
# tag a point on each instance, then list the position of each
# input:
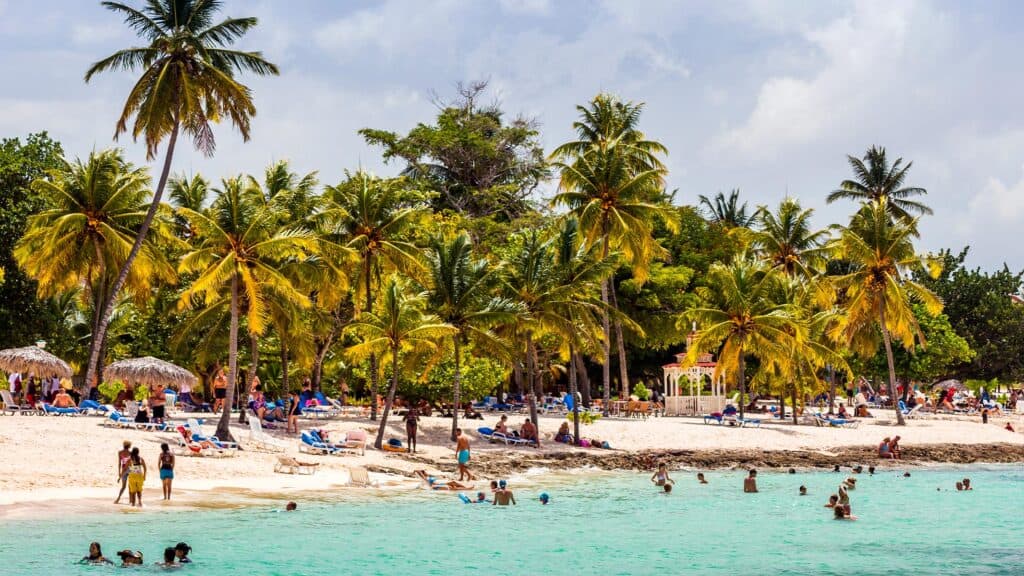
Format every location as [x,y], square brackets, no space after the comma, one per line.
[359,476]
[197,432]
[12,407]
[263,441]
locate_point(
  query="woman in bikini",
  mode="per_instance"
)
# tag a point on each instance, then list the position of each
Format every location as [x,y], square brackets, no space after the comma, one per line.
[166,463]
[412,418]
[136,478]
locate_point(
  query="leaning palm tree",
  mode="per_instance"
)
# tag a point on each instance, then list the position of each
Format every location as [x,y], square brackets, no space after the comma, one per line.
[82,239]
[188,82]
[726,212]
[399,330]
[373,218]
[239,250]
[740,316]
[878,292]
[787,240]
[877,180]
[611,180]
[461,293]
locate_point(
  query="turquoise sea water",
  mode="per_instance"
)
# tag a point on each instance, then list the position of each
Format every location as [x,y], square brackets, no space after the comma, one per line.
[603,524]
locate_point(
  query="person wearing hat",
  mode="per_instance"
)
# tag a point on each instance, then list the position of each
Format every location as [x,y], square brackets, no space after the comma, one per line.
[123,456]
[129,558]
[544,498]
[503,496]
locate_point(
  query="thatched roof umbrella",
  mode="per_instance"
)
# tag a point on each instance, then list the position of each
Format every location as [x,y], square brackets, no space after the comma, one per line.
[34,360]
[149,371]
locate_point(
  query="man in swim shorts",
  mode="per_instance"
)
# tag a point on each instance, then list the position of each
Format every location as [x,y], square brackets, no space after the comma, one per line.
[462,455]
[504,496]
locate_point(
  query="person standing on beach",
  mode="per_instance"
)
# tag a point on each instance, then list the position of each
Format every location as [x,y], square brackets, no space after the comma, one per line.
[750,482]
[220,390]
[166,463]
[123,456]
[294,400]
[136,477]
[462,454]
[412,418]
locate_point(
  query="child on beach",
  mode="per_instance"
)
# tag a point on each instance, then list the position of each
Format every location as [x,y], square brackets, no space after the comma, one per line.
[123,456]
[136,478]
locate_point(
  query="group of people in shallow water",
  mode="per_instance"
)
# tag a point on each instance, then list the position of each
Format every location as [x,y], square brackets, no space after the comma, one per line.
[174,556]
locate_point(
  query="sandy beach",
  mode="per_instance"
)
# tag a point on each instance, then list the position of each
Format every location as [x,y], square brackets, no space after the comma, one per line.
[49,459]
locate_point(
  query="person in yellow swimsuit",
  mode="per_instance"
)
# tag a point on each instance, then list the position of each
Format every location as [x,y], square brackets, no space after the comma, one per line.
[136,478]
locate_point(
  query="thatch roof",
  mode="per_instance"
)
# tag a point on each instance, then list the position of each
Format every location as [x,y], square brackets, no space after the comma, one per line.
[34,360]
[149,371]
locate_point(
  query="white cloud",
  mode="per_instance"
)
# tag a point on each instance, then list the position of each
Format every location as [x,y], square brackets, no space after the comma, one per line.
[395,28]
[84,33]
[999,201]
[526,6]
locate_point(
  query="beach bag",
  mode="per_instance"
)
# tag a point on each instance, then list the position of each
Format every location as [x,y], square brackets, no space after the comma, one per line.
[395,442]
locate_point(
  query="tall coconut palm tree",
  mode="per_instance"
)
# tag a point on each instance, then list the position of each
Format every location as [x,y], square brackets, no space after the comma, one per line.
[461,293]
[740,316]
[876,180]
[611,180]
[188,193]
[239,250]
[188,81]
[727,212]
[374,218]
[400,329]
[786,239]
[878,292]
[94,210]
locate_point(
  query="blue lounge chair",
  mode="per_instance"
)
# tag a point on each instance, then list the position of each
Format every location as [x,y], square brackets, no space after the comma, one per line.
[715,417]
[310,445]
[755,422]
[55,411]
[493,436]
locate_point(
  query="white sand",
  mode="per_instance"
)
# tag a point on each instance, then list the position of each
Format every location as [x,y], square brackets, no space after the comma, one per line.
[44,458]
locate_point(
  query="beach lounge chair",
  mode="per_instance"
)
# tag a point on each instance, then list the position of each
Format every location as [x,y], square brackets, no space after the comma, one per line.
[744,422]
[836,422]
[12,407]
[715,417]
[355,441]
[289,465]
[495,437]
[359,476]
[94,408]
[309,444]
[52,410]
[197,433]
[189,446]
[260,440]
[115,419]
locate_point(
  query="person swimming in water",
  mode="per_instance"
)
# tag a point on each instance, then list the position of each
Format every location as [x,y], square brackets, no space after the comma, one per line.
[544,498]
[803,490]
[504,496]
[842,513]
[667,488]
[291,507]
[967,484]
[183,550]
[832,501]
[95,555]
[170,555]
[750,482]
[700,478]
[129,558]
[481,498]
[661,477]
[436,484]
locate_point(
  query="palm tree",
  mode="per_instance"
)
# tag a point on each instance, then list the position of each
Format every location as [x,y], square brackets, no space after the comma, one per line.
[461,293]
[399,328]
[740,316]
[877,292]
[787,241]
[95,209]
[187,83]
[374,218]
[612,186]
[877,180]
[188,193]
[727,212]
[240,249]
[555,303]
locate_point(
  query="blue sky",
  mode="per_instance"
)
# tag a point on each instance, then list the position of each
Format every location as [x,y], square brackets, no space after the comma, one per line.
[766,96]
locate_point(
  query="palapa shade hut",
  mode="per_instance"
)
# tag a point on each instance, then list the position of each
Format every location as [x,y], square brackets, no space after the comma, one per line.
[149,371]
[33,360]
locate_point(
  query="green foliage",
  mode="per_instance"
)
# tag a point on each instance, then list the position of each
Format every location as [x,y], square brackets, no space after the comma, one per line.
[641,391]
[585,417]
[24,318]
[943,352]
[481,376]
[110,389]
[478,164]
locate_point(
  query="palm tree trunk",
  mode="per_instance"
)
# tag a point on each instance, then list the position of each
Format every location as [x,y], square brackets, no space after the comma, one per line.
[531,366]
[623,368]
[254,364]
[573,381]
[122,276]
[284,367]
[832,390]
[456,385]
[373,357]
[606,351]
[517,376]
[224,424]
[793,392]
[782,405]
[584,378]
[892,367]
[390,400]
[742,375]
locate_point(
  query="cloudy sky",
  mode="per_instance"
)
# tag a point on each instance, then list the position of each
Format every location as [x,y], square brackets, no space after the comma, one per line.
[766,96]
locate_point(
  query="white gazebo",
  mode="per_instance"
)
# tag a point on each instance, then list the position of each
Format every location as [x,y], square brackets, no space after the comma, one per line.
[677,404]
